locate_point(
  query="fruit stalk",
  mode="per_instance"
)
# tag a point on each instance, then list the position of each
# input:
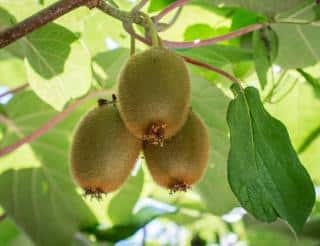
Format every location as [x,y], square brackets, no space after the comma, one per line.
[153,33]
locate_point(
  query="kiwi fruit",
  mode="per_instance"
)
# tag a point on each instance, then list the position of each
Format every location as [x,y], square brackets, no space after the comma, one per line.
[183,158]
[103,151]
[154,94]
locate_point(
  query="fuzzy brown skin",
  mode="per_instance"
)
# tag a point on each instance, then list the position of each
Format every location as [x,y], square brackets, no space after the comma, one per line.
[183,158]
[154,93]
[103,151]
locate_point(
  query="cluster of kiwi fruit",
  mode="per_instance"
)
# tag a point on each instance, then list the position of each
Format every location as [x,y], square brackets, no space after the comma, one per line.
[151,113]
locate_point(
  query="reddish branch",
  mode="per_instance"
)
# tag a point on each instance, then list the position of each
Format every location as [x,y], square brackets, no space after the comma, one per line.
[212,68]
[15,90]
[214,40]
[171,7]
[51,123]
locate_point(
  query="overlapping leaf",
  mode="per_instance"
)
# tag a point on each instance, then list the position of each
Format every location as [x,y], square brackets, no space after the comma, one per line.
[211,104]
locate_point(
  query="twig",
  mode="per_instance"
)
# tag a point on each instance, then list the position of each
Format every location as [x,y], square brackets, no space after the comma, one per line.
[140,5]
[57,10]
[177,45]
[175,17]
[171,7]
[210,41]
[124,16]
[50,124]
[161,27]
[15,90]
[212,68]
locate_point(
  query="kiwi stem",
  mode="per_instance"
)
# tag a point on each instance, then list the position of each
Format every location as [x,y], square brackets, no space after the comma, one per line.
[153,32]
[132,45]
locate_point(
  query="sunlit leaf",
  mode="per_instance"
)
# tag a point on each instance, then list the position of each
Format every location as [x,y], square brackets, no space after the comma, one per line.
[58,66]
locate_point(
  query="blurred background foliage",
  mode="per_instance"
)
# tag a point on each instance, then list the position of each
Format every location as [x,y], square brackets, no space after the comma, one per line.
[84,51]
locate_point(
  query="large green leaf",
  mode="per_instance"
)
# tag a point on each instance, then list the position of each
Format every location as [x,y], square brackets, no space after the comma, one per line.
[125,230]
[11,235]
[312,81]
[225,57]
[107,65]
[307,12]
[265,46]
[303,122]
[156,5]
[120,209]
[6,19]
[298,45]
[12,70]
[98,28]
[267,7]
[58,66]
[42,199]
[211,104]
[263,168]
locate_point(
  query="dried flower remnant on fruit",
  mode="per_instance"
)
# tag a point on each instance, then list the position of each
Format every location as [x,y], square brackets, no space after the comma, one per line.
[102,102]
[94,193]
[182,159]
[155,134]
[178,186]
[114,98]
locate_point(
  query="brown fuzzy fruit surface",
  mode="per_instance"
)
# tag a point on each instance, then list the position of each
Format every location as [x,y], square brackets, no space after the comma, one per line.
[183,158]
[103,151]
[154,94]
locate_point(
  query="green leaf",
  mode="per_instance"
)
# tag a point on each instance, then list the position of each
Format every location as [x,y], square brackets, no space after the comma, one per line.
[120,209]
[106,66]
[265,46]
[199,32]
[125,230]
[97,29]
[302,122]
[298,45]
[315,83]
[12,70]
[264,171]
[42,199]
[222,56]
[211,104]
[156,5]
[8,232]
[6,19]
[113,3]
[267,7]
[265,237]
[58,66]
[307,12]
[218,54]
